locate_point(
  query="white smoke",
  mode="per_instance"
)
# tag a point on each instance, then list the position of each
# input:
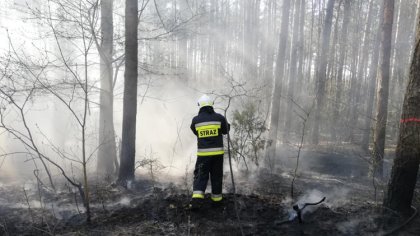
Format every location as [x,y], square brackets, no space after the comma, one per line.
[333,198]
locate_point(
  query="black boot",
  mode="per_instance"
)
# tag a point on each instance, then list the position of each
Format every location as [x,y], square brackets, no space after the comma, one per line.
[217,204]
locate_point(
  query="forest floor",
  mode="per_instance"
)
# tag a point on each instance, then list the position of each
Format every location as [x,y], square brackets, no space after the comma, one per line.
[264,204]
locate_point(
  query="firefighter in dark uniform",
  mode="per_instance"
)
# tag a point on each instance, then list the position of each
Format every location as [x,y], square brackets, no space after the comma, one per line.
[209,128]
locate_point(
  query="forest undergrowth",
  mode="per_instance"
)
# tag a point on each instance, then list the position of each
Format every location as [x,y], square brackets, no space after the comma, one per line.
[264,204]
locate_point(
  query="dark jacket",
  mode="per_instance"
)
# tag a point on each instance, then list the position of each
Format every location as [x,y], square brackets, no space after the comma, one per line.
[209,127]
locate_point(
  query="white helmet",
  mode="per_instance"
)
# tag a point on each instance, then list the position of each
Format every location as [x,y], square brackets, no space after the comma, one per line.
[205,101]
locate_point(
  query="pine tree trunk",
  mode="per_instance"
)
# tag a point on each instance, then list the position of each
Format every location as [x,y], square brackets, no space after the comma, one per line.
[372,85]
[339,89]
[128,151]
[353,123]
[322,70]
[107,148]
[279,73]
[406,163]
[301,46]
[310,48]
[383,89]
[293,69]
[401,59]
[269,49]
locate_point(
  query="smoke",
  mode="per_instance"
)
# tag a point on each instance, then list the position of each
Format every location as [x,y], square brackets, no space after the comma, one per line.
[163,124]
[369,221]
[7,169]
[165,110]
[13,167]
[333,198]
[54,132]
[123,201]
[349,227]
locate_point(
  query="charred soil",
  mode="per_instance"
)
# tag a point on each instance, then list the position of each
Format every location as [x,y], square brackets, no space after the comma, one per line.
[263,203]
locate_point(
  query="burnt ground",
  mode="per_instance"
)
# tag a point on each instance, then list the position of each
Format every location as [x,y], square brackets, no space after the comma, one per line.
[263,205]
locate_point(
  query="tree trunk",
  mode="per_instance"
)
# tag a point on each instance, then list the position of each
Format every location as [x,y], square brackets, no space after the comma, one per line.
[293,69]
[351,93]
[301,51]
[383,89]
[250,26]
[332,64]
[401,59]
[310,48]
[107,148]
[406,164]
[275,102]
[269,48]
[128,151]
[355,106]
[372,85]
[322,70]
[339,88]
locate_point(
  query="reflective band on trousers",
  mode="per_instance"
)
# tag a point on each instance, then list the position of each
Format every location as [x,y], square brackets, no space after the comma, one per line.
[216,197]
[198,194]
[210,151]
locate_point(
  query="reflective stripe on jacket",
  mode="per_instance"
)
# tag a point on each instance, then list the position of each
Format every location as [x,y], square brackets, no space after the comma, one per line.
[209,128]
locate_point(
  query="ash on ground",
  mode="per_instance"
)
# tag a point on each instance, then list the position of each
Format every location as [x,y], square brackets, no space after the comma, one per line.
[263,206]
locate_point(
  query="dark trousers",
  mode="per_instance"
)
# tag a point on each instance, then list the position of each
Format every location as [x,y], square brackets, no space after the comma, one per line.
[208,166]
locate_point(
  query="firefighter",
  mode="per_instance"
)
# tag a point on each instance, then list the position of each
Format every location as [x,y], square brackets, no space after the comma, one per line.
[209,128]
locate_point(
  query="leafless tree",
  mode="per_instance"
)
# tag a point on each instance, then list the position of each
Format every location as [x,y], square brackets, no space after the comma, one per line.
[73,90]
